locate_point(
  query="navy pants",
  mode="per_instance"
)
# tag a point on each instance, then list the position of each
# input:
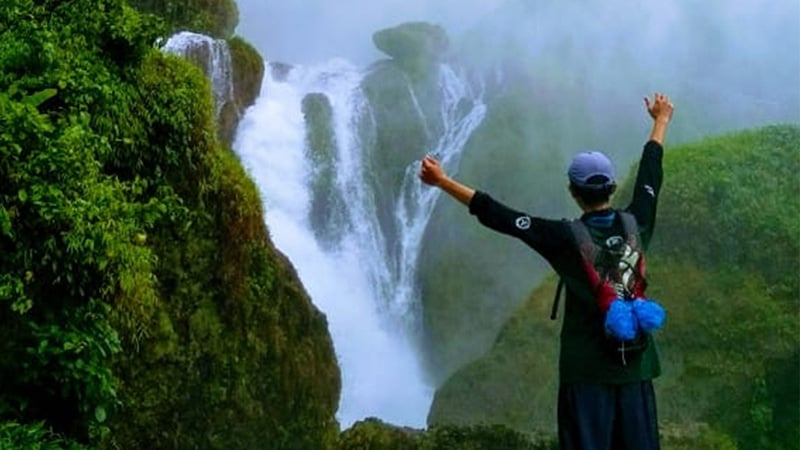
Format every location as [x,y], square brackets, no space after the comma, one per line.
[607,417]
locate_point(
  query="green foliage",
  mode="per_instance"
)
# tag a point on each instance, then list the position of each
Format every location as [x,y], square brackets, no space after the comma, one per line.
[515,383]
[71,361]
[372,434]
[217,18]
[141,302]
[726,336]
[14,436]
[482,437]
[69,230]
[736,211]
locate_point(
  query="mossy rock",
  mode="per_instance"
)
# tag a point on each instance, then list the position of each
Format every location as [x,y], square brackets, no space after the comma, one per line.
[327,213]
[414,45]
[248,72]
[374,434]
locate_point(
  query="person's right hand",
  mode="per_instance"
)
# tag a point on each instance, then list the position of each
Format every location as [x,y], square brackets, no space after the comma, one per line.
[660,108]
[431,171]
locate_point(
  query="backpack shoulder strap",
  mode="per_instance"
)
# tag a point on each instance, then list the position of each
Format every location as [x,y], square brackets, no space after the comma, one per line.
[583,240]
[631,228]
[585,245]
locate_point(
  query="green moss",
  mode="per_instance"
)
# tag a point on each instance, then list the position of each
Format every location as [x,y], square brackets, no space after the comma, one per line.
[248,72]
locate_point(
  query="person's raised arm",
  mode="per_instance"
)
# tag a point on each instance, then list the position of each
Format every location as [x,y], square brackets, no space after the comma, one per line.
[660,109]
[431,173]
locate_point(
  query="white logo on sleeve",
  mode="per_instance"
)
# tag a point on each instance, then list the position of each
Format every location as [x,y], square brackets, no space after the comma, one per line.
[523,222]
[649,190]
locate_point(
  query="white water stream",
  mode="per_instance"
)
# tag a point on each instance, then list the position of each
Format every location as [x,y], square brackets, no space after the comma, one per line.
[371,302]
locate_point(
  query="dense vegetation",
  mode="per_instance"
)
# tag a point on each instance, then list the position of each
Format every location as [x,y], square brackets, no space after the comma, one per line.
[724,262]
[142,304]
[216,18]
[372,434]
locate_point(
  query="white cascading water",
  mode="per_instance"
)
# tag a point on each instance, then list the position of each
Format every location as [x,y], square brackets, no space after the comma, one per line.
[368,306]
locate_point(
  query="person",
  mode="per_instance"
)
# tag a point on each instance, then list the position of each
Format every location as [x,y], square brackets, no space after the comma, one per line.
[602,404]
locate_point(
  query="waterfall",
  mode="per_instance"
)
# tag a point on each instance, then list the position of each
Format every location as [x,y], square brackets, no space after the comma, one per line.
[368,305]
[461,112]
[212,56]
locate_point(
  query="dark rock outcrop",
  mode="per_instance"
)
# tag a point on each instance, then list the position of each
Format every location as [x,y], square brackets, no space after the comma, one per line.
[279,70]
[413,45]
[327,213]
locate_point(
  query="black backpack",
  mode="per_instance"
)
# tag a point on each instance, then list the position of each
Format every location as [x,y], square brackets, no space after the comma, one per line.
[616,272]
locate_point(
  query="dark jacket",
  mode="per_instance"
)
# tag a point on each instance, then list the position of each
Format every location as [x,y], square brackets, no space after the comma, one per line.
[583,357]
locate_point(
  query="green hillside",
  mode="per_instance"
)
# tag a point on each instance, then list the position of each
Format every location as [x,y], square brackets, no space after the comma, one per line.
[724,261]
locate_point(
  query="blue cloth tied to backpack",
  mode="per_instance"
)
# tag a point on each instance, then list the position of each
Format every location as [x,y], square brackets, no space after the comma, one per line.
[624,319]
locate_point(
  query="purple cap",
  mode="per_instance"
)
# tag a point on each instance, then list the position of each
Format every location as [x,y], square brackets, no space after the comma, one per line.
[591,170]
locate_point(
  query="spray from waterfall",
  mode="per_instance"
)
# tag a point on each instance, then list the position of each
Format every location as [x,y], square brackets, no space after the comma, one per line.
[368,305]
